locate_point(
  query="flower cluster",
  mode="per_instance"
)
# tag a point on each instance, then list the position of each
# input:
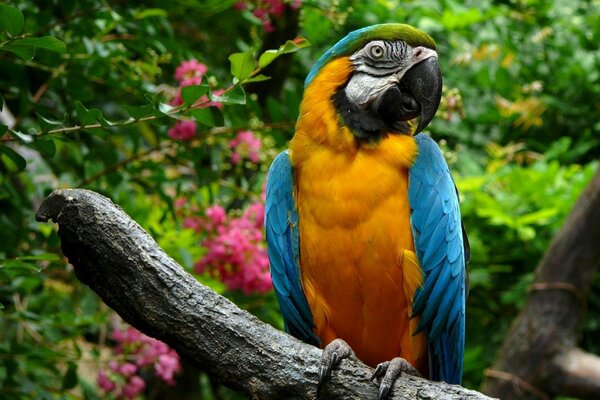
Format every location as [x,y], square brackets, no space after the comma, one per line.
[235,250]
[266,10]
[136,353]
[190,73]
[183,130]
[245,146]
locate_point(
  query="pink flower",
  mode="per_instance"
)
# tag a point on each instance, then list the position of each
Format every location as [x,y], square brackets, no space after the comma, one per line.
[183,130]
[127,369]
[194,80]
[245,145]
[142,353]
[113,365]
[255,212]
[105,382]
[276,7]
[193,223]
[134,387]
[236,253]
[236,158]
[180,203]
[260,13]
[296,4]
[190,69]
[268,25]
[267,10]
[216,214]
[240,6]
[167,366]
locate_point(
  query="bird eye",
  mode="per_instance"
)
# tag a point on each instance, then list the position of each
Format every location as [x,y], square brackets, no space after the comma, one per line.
[376,51]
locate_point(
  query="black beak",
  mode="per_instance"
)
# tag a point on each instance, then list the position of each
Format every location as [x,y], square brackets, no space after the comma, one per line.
[417,95]
[424,83]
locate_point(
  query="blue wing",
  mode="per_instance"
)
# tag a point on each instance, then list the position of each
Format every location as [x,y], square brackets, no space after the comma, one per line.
[281,227]
[442,252]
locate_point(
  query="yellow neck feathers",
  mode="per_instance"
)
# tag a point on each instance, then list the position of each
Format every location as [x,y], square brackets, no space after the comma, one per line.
[319,126]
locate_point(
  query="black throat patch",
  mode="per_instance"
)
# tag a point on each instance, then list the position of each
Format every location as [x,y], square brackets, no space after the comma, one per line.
[367,125]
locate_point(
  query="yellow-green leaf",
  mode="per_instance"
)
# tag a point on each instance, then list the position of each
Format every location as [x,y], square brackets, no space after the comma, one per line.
[242,64]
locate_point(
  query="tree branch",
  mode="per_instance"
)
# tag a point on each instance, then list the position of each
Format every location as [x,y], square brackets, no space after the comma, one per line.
[115,257]
[540,347]
[580,373]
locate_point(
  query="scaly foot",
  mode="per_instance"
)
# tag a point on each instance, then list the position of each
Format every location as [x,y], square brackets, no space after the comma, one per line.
[391,370]
[333,353]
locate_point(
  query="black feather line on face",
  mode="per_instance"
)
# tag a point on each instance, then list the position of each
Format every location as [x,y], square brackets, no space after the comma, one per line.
[367,125]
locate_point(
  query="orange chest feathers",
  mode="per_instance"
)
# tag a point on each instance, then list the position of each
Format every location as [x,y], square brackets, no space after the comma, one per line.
[359,270]
[358,266]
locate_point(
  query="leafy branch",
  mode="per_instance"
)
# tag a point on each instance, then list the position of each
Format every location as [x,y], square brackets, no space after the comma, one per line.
[244,68]
[164,148]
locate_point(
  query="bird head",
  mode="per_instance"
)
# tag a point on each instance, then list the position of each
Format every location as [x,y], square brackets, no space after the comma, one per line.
[393,81]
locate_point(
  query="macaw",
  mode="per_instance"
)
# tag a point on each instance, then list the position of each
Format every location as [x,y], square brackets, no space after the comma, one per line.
[366,245]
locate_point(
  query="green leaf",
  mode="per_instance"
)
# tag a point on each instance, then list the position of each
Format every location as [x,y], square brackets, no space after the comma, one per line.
[166,109]
[16,159]
[20,136]
[209,116]
[290,46]
[235,96]
[45,42]
[191,93]
[267,57]
[3,128]
[91,116]
[41,257]
[538,217]
[18,265]
[47,124]
[46,147]
[144,111]
[25,52]
[70,378]
[150,12]
[257,78]
[242,64]
[11,20]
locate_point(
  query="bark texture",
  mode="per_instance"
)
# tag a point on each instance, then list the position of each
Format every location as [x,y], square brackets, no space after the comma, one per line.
[116,258]
[539,358]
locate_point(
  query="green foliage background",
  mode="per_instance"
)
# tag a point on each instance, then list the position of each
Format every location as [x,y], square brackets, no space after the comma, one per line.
[519,124]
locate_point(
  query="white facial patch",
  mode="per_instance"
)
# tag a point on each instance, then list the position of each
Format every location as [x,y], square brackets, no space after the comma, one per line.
[363,89]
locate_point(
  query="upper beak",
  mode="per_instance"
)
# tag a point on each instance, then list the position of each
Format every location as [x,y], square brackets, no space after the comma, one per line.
[424,82]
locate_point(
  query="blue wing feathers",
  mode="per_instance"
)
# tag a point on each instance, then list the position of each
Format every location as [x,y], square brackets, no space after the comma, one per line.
[281,228]
[421,296]
[435,221]
[443,316]
[435,249]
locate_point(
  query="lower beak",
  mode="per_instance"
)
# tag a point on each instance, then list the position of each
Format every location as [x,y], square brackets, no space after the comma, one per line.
[423,82]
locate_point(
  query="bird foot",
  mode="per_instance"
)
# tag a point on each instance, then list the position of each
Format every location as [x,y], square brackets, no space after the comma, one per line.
[333,353]
[390,371]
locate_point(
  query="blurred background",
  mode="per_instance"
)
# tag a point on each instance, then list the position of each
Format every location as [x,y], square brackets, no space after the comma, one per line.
[143,103]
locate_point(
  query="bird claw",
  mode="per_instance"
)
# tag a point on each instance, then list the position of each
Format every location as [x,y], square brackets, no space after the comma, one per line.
[389,371]
[333,353]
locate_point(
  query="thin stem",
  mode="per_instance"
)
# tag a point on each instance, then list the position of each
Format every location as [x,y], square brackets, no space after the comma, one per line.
[12,39]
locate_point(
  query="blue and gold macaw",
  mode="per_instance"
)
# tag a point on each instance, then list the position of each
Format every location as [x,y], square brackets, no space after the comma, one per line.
[363,226]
